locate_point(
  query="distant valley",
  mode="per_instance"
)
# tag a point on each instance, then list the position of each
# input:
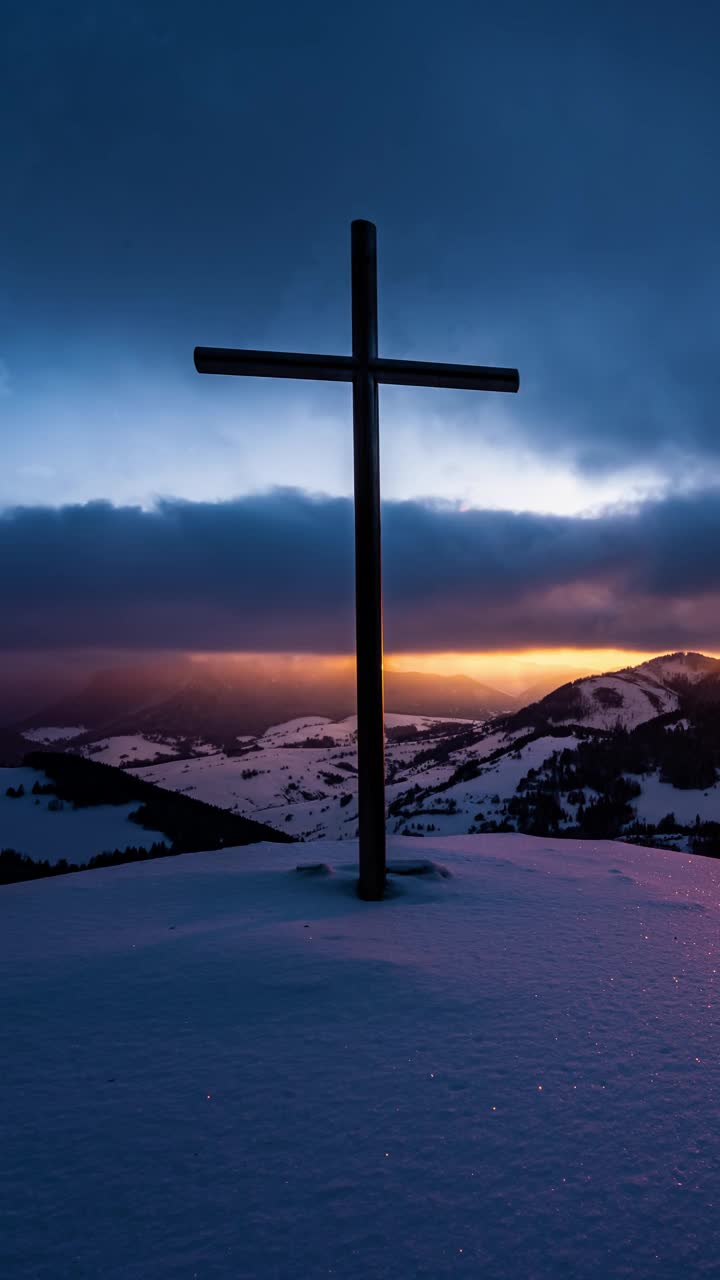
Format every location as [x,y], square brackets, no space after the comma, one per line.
[633,754]
[218,699]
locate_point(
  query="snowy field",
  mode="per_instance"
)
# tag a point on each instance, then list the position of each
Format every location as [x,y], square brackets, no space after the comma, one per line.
[304,790]
[53,733]
[660,798]
[29,826]
[309,791]
[217,1069]
[344,731]
[125,748]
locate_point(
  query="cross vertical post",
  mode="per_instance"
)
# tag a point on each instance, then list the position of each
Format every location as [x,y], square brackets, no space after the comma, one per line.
[368,570]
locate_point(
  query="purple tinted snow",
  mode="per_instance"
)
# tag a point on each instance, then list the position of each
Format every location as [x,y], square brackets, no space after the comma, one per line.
[507,1074]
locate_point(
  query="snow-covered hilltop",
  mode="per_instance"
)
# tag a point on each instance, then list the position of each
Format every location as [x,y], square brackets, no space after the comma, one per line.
[623,698]
[629,697]
[215,1067]
[678,669]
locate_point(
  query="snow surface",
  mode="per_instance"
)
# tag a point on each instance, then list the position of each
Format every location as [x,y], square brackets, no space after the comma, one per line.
[691,666]
[660,798]
[123,749]
[503,775]
[217,1068]
[29,826]
[291,787]
[642,698]
[54,733]
[304,789]
[344,731]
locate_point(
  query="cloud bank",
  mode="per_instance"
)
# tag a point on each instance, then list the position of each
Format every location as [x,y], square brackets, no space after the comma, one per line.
[275,572]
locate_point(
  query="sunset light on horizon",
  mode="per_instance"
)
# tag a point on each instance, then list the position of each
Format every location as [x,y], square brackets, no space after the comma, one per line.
[511,671]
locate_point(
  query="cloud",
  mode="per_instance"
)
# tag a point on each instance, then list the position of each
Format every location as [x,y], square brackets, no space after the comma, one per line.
[275,571]
[554,204]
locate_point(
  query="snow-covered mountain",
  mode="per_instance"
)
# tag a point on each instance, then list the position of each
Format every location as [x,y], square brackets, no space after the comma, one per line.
[624,698]
[610,754]
[533,770]
[677,670]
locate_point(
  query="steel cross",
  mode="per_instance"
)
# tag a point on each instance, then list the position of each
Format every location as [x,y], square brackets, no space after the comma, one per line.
[365,370]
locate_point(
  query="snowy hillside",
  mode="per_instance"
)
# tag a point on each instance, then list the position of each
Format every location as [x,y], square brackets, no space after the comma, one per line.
[625,698]
[302,776]
[43,827]
[622,698]
[46,734]
[131,749]
[671,668]
[533,771]
[623,753]
[215,1067]
[60,808]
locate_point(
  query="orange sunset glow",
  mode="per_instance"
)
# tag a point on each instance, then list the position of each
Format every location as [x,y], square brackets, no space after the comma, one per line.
[515,670]
[511,671]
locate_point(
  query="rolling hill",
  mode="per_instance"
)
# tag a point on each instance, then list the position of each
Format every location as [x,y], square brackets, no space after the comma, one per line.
[633,753]
[618,754]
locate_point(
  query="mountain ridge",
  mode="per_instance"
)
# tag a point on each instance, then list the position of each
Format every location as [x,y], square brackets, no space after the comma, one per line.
[633,753]
[626,697]
[219,701]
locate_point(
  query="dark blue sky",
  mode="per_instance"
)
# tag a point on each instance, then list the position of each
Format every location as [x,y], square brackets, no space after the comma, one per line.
[544,178]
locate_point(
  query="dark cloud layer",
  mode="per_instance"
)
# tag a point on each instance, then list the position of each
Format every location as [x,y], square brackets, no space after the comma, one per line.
[275,572]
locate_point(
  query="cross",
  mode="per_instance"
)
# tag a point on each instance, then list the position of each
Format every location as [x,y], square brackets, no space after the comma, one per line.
[365,370]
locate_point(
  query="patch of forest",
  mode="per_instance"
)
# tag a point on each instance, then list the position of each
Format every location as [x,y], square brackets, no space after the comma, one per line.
[589,791]
[15,867]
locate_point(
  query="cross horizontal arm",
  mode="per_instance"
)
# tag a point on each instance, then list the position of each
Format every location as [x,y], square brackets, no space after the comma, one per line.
[426,373]
[397,373]
[274,364]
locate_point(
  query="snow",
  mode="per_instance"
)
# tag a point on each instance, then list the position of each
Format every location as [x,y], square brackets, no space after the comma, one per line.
[291,787]
[304,787]
[344,731]
[124,748]
[281,778]
[503,776]
[660,798]
[641,697]
[54,733]
[216,1068]
[482,797]
[29,826]
[691,666]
